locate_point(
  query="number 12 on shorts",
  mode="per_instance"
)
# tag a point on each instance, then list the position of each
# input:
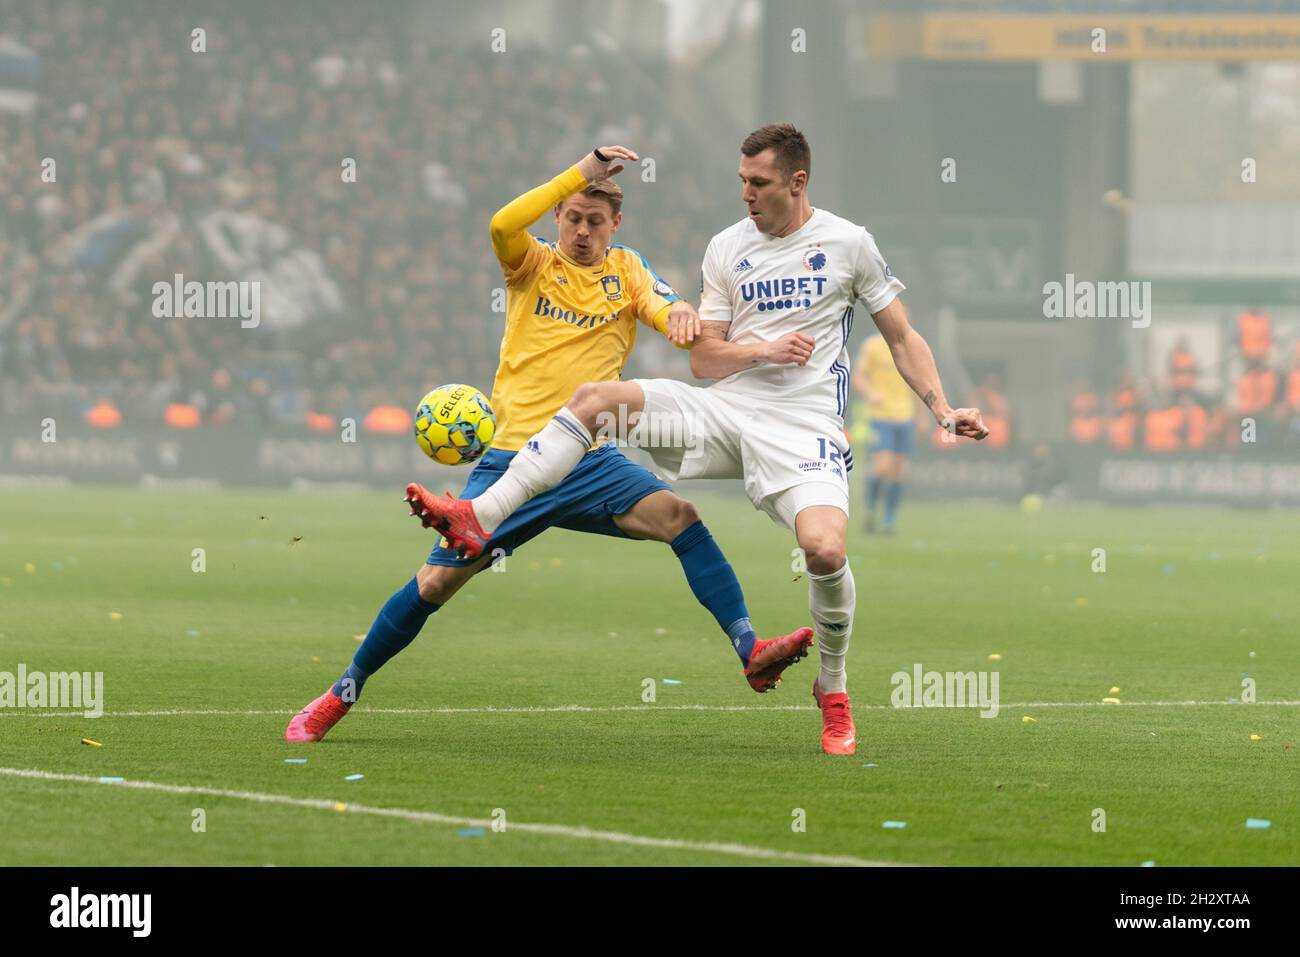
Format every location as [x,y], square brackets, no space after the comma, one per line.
[827,450]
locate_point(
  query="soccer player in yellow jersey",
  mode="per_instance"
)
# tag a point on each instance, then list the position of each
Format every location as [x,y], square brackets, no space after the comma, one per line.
[892,408]
[572,308]
[776,311]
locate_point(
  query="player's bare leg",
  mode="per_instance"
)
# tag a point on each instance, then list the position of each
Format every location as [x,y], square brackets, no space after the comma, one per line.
[821,531]
[436,585]
[665,517]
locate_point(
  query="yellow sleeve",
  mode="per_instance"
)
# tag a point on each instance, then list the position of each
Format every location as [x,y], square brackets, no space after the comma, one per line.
[509,227]
[650,299]
[660,322]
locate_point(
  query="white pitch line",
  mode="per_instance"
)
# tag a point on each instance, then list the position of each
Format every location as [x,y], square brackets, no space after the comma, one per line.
[432,817]
[610,709]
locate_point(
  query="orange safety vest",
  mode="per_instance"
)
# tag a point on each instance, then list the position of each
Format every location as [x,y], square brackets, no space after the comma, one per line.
[1255,390]
[1163,428]
[1255,334]
[1293,390]
[1085,418]
[1122,430]
[1197,426]
[999,431]
[1182,370]
[103,415]
[388,418]
[181,415]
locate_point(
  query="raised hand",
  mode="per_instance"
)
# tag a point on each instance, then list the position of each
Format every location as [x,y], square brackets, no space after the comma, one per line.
[596,169]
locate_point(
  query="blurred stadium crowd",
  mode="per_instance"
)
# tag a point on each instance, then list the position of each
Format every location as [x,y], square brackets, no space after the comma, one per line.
[229,163]
[1262,403]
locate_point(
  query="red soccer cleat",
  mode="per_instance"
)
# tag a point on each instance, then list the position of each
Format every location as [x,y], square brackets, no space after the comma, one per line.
[454,517]
[771,656]
[838,734]
[314,721]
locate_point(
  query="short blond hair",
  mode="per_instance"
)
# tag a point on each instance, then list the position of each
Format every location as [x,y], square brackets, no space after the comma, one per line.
[609,191]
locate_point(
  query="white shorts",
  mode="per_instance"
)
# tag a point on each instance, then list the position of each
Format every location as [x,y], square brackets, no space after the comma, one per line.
[789,457]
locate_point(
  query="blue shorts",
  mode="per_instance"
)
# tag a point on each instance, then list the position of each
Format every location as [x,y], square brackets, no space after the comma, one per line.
[605,483]
[899,437]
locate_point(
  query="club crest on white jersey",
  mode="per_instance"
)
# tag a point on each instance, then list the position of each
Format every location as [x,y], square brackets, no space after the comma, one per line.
[767,287]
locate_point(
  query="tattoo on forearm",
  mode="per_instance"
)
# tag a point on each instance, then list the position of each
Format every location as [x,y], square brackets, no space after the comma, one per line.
[929,399]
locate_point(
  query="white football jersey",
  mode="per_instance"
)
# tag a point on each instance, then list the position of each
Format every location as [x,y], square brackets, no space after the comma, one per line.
[766,287]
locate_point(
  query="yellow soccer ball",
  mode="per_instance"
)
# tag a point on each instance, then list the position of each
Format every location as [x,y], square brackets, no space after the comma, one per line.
[454,424]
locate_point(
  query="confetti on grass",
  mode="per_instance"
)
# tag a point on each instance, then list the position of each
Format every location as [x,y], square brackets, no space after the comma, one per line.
[1258,823]
[295,760]
[894,824]
[93,744]
[671,681]
[871,765]
[470,832]
[111,780]
[354,777]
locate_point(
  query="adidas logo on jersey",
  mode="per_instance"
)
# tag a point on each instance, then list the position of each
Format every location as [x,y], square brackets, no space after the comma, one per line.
[743,265]
[534,447]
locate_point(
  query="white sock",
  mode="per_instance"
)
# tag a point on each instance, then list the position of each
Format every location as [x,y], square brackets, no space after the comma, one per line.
[831,599]
[543,463]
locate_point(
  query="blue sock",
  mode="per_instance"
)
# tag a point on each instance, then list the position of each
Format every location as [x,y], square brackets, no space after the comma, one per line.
[893,495]
[715,585]
[399,621]
[873,493]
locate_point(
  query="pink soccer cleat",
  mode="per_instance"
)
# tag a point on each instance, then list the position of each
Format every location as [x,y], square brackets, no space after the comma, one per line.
[454,517]
[838,733]
[314,721]
[771,656]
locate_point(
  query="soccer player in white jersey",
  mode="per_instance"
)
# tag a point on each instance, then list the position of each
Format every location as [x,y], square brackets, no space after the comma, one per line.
[775,315]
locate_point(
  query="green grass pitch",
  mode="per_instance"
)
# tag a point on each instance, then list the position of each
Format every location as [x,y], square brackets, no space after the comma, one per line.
[559,644]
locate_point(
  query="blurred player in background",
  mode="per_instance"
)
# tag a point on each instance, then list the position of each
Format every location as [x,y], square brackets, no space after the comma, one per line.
[571,313]
[891,406]
[776,312]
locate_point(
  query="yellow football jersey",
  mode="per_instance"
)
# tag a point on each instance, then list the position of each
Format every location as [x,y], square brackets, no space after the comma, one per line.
[567,324]
[894,397]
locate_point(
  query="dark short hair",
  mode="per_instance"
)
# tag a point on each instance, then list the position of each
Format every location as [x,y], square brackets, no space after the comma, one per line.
[609,191]
[788,145]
